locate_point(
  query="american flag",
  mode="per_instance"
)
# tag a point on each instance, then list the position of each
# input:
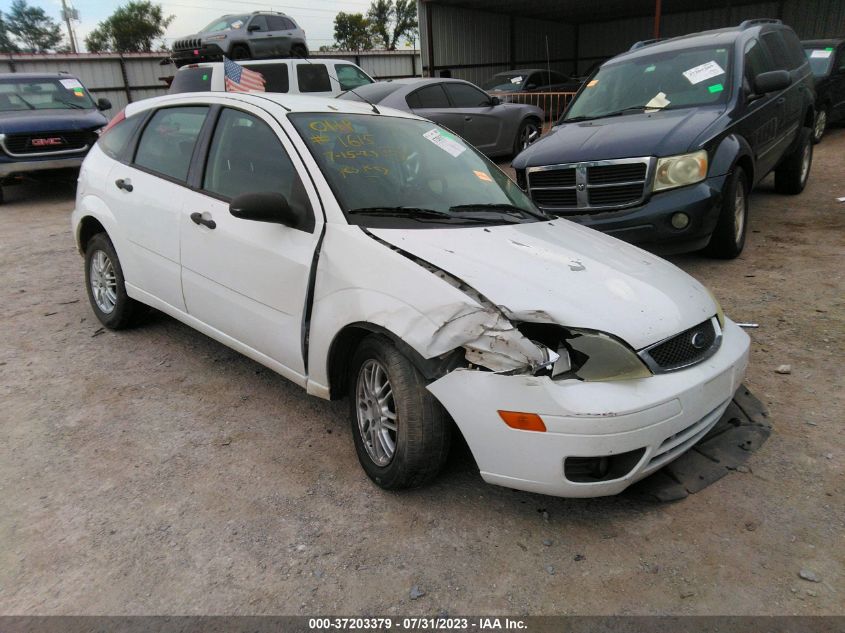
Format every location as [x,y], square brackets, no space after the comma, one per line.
[240,79]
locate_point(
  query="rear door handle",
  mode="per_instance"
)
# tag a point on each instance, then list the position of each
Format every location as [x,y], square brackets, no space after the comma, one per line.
[198,219]
[782,100]
[124,183]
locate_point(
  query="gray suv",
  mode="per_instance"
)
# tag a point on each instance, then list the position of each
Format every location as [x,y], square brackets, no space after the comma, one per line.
[257,35]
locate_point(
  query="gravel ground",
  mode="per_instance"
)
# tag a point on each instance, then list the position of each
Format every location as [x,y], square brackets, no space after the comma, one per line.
[155,471]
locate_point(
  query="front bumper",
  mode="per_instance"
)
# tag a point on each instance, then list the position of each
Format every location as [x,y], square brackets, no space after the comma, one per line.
[662,416]
[650,225]
[203,53]
[24,166]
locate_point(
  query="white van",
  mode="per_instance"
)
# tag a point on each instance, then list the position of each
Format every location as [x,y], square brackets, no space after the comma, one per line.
[315,77]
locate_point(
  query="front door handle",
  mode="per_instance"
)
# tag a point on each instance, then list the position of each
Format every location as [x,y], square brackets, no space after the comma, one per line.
[124,183]
[467,118]
[782,100]
[198,219]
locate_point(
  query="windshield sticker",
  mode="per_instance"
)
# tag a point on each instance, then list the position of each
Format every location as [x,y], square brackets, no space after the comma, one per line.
[445,141]
[715,88]
[237,24]
[650,69]
[516,80]
[482,175]
[71,84]
[78,92]
[593,83]
[821,54]
[703,72]
[658,101]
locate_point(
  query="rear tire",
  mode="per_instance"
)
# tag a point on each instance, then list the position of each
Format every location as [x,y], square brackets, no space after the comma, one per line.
[299,52]
[241,52]
[528,132]
[792,174]
[728,238]
[820,124]
[106,287]
[402,433]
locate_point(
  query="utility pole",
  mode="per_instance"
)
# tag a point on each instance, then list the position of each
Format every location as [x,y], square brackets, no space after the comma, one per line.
[68,15]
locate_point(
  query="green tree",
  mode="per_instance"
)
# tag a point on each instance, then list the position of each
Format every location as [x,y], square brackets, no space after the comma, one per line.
[7,44]
[352,32]
[36,31]
[392,20]
[132,28]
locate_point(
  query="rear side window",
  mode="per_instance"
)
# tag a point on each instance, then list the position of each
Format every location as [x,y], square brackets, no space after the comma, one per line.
[167,143]
[778,50]
[466,96]
[288,24]
[114,142]
[313,78]
[276,23]
[428,97]
[191,80]
[275,76]
[350,77]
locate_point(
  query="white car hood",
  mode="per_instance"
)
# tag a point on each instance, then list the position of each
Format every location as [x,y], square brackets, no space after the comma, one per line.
[562,272]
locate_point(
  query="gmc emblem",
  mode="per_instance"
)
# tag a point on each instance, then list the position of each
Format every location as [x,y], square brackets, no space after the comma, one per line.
[42,142]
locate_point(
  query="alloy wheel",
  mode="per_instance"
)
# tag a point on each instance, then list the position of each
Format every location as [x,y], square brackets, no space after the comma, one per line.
[103,280]
[739,212]
[376,412]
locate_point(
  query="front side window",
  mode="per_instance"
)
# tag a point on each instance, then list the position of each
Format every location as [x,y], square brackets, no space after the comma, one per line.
[756,62]
[168,141]
[662,80]
[466,96]
[62,93]
[313,78]
[246,156]
[778,50]
[387,170]
[350,77]
[259,23]
[428,97]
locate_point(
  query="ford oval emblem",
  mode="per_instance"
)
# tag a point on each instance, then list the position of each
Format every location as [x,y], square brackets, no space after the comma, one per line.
[697,340]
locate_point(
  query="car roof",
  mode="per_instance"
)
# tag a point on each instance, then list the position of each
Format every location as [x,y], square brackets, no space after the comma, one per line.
[836,41]
[291,102]
[264,62]
[413,81]
[518,71]
[37,76]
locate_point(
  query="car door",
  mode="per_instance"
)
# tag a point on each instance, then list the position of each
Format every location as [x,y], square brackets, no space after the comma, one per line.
[763,113]
[430,102]
[245,279]
[146,196]
[483,123]
[790,119]
[260,37]
[280,34]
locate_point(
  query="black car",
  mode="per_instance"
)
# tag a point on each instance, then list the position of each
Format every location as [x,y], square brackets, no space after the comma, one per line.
[530,80]
[47,121]
[662,146]
[827,61]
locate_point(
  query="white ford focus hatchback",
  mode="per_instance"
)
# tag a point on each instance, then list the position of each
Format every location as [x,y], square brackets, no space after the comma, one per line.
[375,255]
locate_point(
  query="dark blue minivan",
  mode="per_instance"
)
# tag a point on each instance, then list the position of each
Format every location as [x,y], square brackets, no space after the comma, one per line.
[47,121]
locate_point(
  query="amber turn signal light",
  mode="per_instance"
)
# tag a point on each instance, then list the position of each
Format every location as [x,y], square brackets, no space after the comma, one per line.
[523,421]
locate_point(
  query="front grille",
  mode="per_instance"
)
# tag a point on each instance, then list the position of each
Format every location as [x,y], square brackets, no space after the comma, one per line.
[188,44]
[687,348]
[603,185]
[48,142]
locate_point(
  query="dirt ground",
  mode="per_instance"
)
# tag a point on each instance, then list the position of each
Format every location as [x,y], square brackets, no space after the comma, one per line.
[154,471]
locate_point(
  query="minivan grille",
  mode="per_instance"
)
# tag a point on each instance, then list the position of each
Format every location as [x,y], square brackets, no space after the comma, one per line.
[48,142]
[579,187]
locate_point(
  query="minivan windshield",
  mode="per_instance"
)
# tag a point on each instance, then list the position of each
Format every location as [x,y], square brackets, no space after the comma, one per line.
[225,23]
[386,171]
[821,60]
[670,79]
[61,93]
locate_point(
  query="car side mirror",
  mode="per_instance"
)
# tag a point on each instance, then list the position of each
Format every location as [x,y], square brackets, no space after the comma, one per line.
[772,81]
[103,104]
[494,101]
[253,27]
[531,87]
[266,206]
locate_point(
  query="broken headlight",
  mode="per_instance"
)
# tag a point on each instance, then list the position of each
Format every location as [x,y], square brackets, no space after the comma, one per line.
[585,354]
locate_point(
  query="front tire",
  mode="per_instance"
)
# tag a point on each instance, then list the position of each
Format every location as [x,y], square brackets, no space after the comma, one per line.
[106,286]
[241,52]
[792,174]
[728,238]
[402,433]
[820,124]
[528,132]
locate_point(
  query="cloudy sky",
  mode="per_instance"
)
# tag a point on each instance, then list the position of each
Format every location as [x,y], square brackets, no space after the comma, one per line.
[315,16]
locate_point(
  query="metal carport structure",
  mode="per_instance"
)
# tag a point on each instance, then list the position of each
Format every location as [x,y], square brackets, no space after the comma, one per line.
[474,39]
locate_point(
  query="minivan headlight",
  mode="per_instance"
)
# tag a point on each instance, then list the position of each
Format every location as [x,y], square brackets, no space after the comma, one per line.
[678,171]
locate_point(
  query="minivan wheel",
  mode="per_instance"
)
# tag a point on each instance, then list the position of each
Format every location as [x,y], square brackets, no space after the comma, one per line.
[105,285]
[820,126]
[240,52]
[728,238]
[792,174]
[401,432]
[528,132]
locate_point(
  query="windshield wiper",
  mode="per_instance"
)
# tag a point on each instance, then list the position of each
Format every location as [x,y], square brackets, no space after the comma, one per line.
[25,102]
[629,110]
[415,213]
[76,106]
[508,209]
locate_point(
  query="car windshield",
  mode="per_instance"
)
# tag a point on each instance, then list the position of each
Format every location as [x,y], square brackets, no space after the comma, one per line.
[821,60]
[505,82]
[64,93]
[382,168]
[671,79]
[225,23]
